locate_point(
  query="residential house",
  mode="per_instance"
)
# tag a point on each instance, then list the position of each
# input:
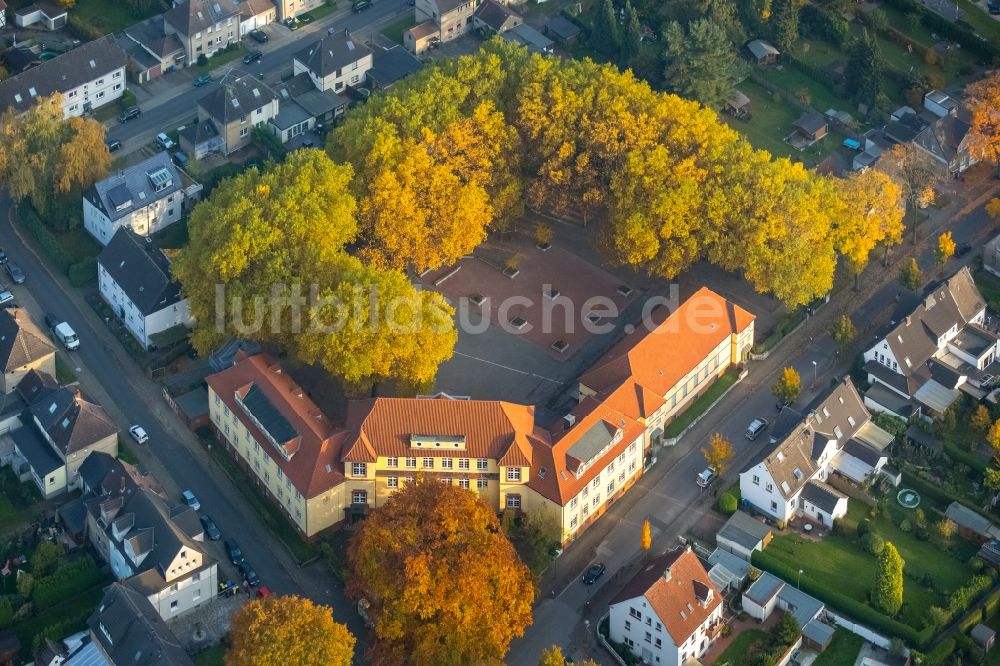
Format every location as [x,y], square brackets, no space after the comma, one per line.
[935,348]
[991,256]
[290,9]
[970,524]
[390,66]
[153,548]
[303,107]
[762,52]
[135,280]
[422,37]
[811,125]
[524,35]
[19,58]
[3,14]
[255,14]
[492,17]
[743,534]
[127,630]
[203,26]
[41,15]
[561,30]
[61,427]
[947,140]
[146,197]
[234,109]
[670,613]
[769,593]
[23,348]
[334,62]
[904,125]
[939,103]
[89,77]
[451,18]
[836,436]
[153,50]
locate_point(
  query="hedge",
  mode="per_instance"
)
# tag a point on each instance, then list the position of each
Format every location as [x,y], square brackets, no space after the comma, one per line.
[969,459]
[943,26]
[855,609]
[68,580]
[940,653]
[991,604]
[927,489]
[82,272]
[46,241]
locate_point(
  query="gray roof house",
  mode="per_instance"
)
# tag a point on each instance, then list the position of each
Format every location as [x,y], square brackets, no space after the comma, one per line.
[936,348]
[128,630]
[525,35]
[947,140]
[42,14]
[23,347]
[493,17]
[391,65]
[971,525]
[303,106]
[742,534]
[762,52]
[241,103]
[146,197]
[135,280]
[334,62]
[770,592]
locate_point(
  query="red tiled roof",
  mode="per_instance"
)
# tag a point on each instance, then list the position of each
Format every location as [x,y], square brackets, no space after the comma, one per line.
[315,466]
[674,597]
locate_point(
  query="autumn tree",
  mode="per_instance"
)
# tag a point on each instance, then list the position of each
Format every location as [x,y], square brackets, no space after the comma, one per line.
[701,62]
[647,537]
[543,234]
[983,102]
[887,591]
[42,154]
[606,36]
[915,173]
[443,582]
[945,529]
[981,419]
[554,656]
[267,262]
[945,248]
[719,453]
[910,276]
[870,214]
[788,387]
[993,209]
[287,630]
[843,330]
[993,437]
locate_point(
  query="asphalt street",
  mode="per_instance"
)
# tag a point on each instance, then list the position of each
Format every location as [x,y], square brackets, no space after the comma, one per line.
[176,108]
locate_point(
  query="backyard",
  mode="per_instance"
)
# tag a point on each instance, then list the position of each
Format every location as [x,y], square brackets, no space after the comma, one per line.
[843,649]
[839,564]
[104,17]
[19,502]
[395,31]
[739,647]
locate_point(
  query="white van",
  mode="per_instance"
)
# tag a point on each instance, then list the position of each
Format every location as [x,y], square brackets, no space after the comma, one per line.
[67,336]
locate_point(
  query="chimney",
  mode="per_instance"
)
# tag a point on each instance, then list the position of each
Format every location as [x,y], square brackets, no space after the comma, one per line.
[15,314]
[907,320]
[569,421]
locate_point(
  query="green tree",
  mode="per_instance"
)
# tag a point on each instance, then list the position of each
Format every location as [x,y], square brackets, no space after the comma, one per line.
[937,617]
[287,630]
[788,387]
[606,37]
[786,23]
[45,559]
[25,584]
[843,330]
[865,73]
[887,591]
[910,276]
[6,612]
[701,62]
[632,38]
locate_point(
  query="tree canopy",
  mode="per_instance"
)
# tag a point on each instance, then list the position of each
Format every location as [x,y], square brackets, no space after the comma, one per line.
[887,592]
[274,631]
[983,103]
[701,62]
[444,584]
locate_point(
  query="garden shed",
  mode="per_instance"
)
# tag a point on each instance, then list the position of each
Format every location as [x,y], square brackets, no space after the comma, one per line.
[762,52]
[983,636]
[738,104]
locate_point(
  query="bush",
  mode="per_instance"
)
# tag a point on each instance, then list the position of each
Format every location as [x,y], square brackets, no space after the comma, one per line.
[975,563]
[864,527]
[940,653]
[46,242]
[726,504]
[69,580]
[82,272]
[873,543]
[202,60]
[6,612]
[905,526]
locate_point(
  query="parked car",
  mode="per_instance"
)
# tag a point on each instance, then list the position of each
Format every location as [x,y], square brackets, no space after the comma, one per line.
[706,477]
[6,299]
[249,574]
[252,57]
[114,146]
[964,248]
[263,591]
[593,572]
[66,335]
[141,437]
[3,257]
[190,500]
[233,552]
[51,320]
[202,80]
[180,159]
[360,6]
[164,141]
[259,36]
[756,427]
[210,528]
[128,114]
[15,272]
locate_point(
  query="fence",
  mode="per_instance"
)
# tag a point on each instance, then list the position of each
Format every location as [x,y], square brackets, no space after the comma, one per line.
[859,629]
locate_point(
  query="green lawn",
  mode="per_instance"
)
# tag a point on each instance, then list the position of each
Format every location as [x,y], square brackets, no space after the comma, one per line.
[108,16]
[739,647]
[219,59]
[11,518]
[325,10]
[981,22]
[396,30]
[64,374]
[213,656]
[78,243]
[794,81]
[698,407]
[841,565]
[843,649]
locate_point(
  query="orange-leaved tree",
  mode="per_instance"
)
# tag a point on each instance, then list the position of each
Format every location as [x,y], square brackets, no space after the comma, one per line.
[719,453]
[287,630]
[443,583]
[983,103]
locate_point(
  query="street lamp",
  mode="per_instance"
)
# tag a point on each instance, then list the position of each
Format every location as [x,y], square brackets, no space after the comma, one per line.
[798,582]
[815,366]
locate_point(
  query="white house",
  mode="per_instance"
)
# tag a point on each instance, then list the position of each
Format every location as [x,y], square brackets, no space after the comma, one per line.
[836,435]
[936,350]
[89,76]
[334,62]
[134,279]
[43,15]
[146,197]
[669,612]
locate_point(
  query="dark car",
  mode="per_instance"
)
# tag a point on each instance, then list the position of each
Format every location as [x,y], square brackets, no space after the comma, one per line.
[15,273]
[963,249]
[360,6]
[114,146]
[234,553]
[259,36]
[3,257]
[210,528]
[52,320]
[128,114]
[202,80]
[249,573]
[594,571]
[252,57]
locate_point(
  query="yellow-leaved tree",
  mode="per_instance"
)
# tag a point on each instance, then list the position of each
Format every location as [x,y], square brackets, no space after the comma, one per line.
[871,212]
[983,102]
[287,630]
[443,583]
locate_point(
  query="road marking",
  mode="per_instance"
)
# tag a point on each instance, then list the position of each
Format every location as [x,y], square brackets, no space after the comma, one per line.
[507,367]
